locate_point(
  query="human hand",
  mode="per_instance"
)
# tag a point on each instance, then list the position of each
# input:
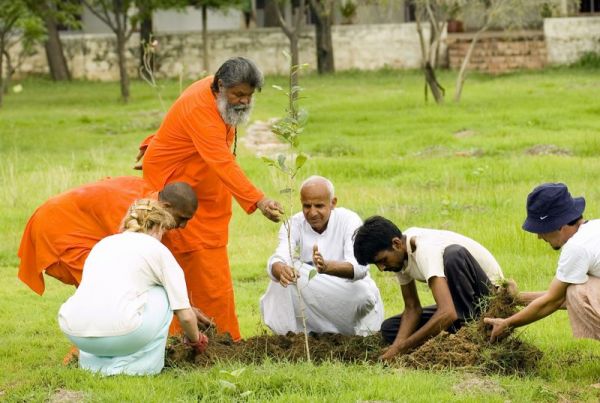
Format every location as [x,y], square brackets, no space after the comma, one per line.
[511,287]
[138,158]
[499,326]
[285,274]
[389,353]
[318,261]
[204,321]
[270,209]
[200,345]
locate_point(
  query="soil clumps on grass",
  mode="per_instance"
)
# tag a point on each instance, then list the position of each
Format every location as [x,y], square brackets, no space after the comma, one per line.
[469,348]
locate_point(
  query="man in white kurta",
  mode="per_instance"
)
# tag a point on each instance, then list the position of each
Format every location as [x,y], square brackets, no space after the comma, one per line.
[342,297]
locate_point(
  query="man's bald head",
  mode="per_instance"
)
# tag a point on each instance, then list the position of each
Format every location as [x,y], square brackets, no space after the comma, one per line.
[318,200]
[181,201]
[319,181]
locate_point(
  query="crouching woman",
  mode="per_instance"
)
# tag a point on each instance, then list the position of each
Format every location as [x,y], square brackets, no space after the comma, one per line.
[119,316]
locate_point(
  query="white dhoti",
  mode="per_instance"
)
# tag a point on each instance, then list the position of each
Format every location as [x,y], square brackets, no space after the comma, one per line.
[331,305]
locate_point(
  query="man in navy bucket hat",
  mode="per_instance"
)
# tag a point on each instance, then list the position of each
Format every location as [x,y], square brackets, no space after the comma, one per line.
[550,207]
[557,218]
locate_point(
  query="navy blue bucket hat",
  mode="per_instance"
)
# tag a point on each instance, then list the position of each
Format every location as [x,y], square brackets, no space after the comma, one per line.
[550,206]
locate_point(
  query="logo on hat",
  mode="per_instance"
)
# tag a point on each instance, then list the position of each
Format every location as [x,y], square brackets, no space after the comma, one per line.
[550,206]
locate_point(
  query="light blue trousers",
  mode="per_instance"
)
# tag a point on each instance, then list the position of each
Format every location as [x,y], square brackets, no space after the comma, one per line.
[141,352]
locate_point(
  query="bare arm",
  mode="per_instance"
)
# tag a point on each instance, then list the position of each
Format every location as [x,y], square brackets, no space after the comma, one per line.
[443,317]
[539,308]
[526,297]
[189,323]
[332,267]
[410,320]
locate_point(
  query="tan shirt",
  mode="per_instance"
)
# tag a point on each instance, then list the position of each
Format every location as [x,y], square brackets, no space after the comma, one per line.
[428,259]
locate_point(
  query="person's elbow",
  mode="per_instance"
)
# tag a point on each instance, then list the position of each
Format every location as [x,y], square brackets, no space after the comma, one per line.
[447,317]
[186,317]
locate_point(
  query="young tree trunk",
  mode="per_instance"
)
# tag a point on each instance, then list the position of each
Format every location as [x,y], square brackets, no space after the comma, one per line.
[145,39]
[428,69]
[293,34]
[124,77]
[324,11]
[10,71]
[2,44]
[462,73]
[295,62]
[436,89]
[205,63]
[57,63]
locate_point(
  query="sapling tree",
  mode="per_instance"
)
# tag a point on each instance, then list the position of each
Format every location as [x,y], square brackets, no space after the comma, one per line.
[288,129]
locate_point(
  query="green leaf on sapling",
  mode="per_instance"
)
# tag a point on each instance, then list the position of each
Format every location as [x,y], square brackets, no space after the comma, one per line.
[300,160]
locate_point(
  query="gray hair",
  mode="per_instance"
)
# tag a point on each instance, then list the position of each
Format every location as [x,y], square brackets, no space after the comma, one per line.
[238,70]
[317,178]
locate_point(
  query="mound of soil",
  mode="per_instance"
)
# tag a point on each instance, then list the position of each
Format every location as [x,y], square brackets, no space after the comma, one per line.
[290,348]
[468,348]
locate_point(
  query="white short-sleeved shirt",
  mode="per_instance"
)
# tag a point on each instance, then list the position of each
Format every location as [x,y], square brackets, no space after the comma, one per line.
[580,255]
[116,276]
[428,259]
[335,243]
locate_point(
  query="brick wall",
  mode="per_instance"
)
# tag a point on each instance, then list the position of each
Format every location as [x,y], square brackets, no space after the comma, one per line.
[499,52]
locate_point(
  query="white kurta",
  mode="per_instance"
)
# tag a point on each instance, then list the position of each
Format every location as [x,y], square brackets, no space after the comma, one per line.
[332,304]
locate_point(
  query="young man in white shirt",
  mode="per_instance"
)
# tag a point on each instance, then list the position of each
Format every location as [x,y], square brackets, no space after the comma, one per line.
[458,270]
[342,298]
[557,218]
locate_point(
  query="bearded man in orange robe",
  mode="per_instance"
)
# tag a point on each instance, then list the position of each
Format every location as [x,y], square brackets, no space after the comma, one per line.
[62,231]
[193,144]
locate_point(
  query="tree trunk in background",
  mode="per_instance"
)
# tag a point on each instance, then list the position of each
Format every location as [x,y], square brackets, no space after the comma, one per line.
[57,63]
[205,63]
[124,77]
[1,71]
[145,39]
[436,89]
[324,12]
[271,19]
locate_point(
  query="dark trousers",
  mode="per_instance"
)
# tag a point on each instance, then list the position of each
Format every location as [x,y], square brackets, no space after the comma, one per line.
[468,283]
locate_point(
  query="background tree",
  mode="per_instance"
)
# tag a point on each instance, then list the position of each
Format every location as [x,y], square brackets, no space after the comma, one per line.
[501,14]
[55,13]
[292,31]
[17,26]
[114,13]
[436,13]
[204,5]
[324,12]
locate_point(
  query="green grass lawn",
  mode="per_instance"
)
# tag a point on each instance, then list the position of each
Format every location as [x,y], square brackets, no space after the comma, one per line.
[387,152]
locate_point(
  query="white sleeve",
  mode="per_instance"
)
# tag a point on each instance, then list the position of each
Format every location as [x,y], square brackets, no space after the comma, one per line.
[353,223]
[573,264]
[430,260]
[282,253]
[173,280]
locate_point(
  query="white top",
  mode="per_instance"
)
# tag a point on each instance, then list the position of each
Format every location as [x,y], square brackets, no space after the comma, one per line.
[580,255]
[335,243]
[116,276]
[428,259]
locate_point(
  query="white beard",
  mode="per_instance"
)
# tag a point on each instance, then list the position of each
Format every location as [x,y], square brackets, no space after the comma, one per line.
[233,115]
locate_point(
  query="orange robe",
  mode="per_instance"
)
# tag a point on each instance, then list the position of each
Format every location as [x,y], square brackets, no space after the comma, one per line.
[193,145]
[62,231]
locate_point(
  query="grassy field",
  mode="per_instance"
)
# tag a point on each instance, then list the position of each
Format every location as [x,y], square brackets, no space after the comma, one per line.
[466,167]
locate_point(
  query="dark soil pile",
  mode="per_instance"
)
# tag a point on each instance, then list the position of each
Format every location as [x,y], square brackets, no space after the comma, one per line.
[291,348]
[468,348]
